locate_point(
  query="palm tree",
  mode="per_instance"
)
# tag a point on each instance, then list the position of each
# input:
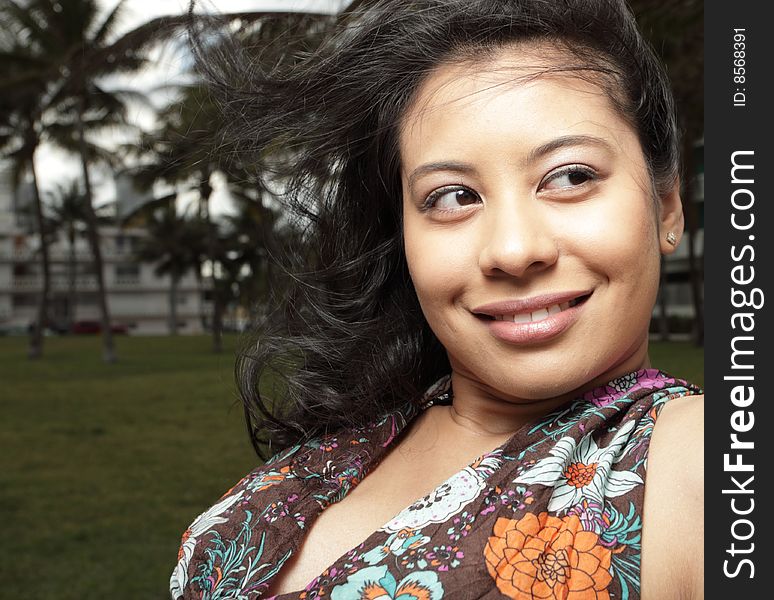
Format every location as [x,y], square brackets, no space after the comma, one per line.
[53,54]
[72,48]
[81,104]
[185,150]
[67,210]
[60,39]
[181,153]
[21,104]
[174,247]
[259,236]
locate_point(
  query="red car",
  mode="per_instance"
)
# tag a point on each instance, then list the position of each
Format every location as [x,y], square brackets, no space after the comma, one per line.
[93,327]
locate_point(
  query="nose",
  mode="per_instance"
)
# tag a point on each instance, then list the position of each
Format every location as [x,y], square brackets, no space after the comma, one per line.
[518,240]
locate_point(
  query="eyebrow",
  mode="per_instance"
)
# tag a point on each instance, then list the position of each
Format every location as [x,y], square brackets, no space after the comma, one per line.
[457,167]
[565,142]
[534,154]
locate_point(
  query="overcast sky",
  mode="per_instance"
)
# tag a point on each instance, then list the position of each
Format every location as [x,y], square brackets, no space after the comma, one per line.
[56,167]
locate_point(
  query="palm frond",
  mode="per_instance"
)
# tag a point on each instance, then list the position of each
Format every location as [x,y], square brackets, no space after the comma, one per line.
[108,25]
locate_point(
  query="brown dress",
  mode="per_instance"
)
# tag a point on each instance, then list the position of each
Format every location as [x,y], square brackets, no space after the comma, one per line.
[555,512]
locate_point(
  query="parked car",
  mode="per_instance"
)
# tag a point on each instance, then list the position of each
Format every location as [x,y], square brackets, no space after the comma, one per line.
[50,328]
[94,327]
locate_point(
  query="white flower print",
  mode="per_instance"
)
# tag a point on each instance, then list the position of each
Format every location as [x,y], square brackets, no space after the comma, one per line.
[438,506]
[202,524]
[583,471]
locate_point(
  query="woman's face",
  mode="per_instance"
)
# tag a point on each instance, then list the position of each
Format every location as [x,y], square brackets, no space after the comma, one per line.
[531,233]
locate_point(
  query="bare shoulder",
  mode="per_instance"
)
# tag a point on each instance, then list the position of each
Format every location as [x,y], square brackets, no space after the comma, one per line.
[679,434]
[673,515]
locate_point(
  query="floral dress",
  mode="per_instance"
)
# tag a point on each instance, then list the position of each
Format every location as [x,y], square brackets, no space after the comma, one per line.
[555,512]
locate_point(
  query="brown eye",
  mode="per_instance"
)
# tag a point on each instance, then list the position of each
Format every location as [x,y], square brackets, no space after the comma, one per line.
[451,198]
[568,177]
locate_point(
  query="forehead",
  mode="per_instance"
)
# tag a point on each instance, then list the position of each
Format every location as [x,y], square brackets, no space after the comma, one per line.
[519,94]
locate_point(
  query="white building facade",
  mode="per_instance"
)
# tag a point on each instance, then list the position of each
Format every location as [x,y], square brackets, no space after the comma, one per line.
[138,299]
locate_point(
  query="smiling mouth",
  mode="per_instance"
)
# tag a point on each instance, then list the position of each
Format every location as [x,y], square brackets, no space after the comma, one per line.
[538,314]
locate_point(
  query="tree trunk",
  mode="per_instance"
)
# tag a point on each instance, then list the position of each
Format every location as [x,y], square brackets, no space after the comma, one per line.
[108,349]
[173,303]
[205,190]
[71,275]
[200,296]
[217,322]
[694,266]
[36,335]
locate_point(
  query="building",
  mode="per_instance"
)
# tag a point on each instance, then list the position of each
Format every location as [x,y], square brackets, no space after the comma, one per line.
[138,299]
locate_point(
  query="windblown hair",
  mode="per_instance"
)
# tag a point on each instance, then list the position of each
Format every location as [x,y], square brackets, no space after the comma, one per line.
[348,342]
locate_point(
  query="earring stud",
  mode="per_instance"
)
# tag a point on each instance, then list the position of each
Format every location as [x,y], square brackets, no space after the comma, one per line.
[671,238]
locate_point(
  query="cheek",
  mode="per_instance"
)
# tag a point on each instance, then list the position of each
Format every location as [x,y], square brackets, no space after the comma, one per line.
[439,268]
[620,236]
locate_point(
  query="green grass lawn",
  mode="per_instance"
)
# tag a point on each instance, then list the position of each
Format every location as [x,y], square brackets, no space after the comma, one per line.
[681,359]
[102,467]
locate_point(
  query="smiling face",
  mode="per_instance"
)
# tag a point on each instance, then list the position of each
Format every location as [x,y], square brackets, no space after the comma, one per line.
[531,232]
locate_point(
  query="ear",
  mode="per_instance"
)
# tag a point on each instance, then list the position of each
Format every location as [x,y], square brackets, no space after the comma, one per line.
[671,219]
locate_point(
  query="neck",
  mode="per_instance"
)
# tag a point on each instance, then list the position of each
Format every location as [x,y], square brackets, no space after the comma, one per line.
[483,410]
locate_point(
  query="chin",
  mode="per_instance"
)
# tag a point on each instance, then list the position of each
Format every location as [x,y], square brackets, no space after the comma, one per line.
[540,388]
[544,378]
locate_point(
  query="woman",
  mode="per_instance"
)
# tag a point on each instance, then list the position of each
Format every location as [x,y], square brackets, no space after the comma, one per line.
[488,187]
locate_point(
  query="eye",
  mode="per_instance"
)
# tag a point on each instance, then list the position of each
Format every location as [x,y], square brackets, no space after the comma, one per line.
[571,176]
[451,198]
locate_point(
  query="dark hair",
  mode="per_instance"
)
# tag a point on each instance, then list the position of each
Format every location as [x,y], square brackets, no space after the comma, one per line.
[348,341]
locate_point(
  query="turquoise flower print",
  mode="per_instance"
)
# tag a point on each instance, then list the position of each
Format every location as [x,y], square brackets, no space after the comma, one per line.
[602,396]
[622,528]
[282,508]
[266,479]
[216,515]
[330,577]
[583,470]
[414,559]
[398,543]
[461,526]
[445,557]
[491,500]
[517,499]
[329,444]
[377,583]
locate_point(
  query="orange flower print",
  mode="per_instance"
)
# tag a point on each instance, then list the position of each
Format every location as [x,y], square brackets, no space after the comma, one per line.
[269,478]
[579,475]
[540,556]
[186,535]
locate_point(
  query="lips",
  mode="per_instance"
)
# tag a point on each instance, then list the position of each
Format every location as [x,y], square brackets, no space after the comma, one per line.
[532,320]
[535,308]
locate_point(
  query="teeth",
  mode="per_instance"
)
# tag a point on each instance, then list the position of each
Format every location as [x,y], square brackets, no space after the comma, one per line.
[537,315]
